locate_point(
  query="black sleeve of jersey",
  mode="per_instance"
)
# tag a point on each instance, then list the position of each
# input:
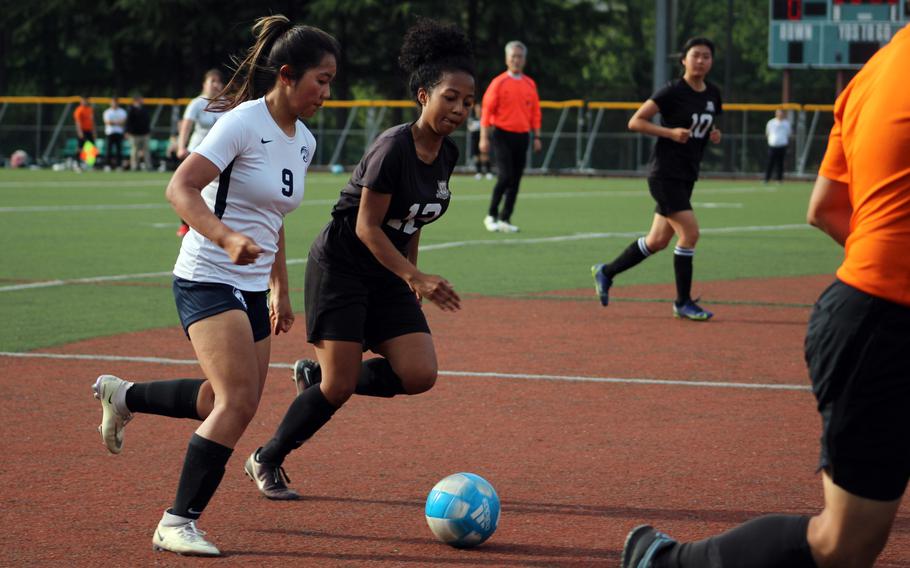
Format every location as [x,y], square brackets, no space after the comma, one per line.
[382,166]
[663,97]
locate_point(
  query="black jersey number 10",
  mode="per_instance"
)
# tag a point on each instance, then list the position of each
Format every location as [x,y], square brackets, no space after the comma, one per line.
[287,178]
[701,124]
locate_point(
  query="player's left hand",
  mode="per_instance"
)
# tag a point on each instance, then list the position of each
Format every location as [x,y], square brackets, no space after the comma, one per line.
[715,136]
[538,144]
[281,316]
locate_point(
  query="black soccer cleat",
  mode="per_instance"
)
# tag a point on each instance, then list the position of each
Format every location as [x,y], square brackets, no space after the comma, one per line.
[306,374]
[642,545]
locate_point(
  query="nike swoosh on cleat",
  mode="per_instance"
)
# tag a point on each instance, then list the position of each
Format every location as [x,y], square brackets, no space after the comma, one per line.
[264,141]
[161,538]
[109,398]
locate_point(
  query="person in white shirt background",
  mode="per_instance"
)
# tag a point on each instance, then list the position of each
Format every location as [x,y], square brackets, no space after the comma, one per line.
[114,122]
[778,133]
[198,119]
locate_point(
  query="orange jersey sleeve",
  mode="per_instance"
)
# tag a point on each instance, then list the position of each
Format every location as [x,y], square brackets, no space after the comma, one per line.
[868,150]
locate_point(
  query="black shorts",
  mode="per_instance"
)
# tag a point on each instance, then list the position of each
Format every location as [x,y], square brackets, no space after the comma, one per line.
[199,300]
[858,352]
[363,309]
[671,195]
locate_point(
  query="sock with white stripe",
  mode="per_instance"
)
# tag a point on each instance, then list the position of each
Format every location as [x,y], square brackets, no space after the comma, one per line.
[631,256]
[682,266]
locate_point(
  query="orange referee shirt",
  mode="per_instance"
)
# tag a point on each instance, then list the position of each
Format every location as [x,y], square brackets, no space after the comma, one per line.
[511,104]
[869,150]
[84,117]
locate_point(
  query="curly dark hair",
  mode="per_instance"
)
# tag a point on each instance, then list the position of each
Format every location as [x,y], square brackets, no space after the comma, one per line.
[430,49]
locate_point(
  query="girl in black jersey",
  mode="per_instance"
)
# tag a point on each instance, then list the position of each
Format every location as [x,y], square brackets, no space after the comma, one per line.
[688,107]
[363,287]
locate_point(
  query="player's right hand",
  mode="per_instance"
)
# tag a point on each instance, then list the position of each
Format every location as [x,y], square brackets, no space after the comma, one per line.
[241,248]
[437,290]
[680,135]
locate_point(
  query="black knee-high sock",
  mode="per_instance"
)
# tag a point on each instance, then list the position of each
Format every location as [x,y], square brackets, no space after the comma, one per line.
[773,540]
[307,414]
[378,379]
[632,255]
[203,469]
[175,398]
[682,266]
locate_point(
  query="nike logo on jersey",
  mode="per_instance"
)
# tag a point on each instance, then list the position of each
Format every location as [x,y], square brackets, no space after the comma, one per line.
[264,141]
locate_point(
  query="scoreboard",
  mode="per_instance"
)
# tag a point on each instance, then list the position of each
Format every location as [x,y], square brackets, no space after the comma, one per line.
[831,34]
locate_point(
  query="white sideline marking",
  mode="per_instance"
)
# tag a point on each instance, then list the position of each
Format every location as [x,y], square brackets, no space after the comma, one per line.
[94,279]
[587,236]
[320,202]
[423,248]
[522,376]
[118,207]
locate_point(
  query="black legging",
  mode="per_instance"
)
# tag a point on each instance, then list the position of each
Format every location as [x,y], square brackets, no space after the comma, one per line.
[775,162]
[510,151]
[113,153]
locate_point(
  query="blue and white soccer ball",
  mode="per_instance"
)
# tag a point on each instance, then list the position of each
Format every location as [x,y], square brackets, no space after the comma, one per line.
[463,510]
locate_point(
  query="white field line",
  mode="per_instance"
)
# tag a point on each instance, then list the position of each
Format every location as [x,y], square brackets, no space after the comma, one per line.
[95,279]
[423,248]
[587,236]
[520,376]
[322,202]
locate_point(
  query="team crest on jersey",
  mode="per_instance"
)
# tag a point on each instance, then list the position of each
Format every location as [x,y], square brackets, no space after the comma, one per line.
[305,154]
[710,106]
[442,190]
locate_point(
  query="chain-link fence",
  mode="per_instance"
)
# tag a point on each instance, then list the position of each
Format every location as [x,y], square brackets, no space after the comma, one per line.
[579,137]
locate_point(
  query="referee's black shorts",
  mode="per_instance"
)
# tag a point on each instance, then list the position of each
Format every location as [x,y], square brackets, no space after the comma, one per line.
[858,352]
[671,195]
[364,309]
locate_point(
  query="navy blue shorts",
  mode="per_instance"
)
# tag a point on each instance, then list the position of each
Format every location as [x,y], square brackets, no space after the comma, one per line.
[858,351]
[199,300]
[362,309]
[671,195]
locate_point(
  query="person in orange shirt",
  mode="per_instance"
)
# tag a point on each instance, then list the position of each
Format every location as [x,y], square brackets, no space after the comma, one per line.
[511,105]
[84,118]
[856,347]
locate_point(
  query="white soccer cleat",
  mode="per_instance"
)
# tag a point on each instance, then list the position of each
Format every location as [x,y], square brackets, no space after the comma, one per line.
[106,389]
[491,223]
[185,538]
[506,227]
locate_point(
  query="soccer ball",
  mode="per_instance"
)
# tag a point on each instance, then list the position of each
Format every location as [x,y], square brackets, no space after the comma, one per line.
[463,510]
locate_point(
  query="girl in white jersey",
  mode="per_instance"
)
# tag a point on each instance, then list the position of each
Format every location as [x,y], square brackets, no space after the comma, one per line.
[231,278]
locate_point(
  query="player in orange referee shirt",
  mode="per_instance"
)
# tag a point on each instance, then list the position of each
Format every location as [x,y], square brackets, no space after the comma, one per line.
[511,105]
[856,347]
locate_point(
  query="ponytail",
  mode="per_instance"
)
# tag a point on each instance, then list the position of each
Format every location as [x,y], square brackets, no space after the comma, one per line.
[278,43]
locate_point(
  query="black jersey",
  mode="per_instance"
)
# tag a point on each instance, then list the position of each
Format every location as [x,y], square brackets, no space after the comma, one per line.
[683,107]
[420,195]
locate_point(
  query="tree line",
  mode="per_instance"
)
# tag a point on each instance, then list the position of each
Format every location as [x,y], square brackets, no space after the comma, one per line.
[588,49]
